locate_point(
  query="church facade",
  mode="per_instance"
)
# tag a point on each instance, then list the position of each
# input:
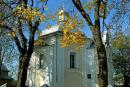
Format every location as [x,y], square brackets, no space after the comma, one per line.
[54,66]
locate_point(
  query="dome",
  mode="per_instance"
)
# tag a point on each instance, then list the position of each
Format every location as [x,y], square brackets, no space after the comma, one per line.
[62,15]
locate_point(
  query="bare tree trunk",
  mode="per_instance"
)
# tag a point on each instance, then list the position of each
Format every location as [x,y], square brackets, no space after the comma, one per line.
[125,75]
[125,81]
[95,28]
[25,56]
[23,67]
[102,58]
[22,74]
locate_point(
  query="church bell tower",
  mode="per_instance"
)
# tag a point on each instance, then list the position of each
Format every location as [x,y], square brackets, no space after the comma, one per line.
[62,15]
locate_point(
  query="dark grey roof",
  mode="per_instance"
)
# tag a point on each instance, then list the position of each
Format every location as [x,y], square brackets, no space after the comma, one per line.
[6,78]
[90,45]
[4,68]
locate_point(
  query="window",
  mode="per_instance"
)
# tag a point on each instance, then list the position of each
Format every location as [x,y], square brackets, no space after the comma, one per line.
[72,59]
[41,60]
[89,76]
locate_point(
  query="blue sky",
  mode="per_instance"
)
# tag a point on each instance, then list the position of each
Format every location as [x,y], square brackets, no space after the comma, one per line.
[54,5]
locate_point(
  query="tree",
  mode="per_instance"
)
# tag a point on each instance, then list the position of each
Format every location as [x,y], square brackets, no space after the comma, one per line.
[8,53]
[121,55]
[99,11]
[23,17]
[6,44]
[121,12]
[120,37]
[7,48]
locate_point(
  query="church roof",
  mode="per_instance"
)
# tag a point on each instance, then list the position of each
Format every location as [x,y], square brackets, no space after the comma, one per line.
[5,78]
[53,29]
[62,14]
[4,68]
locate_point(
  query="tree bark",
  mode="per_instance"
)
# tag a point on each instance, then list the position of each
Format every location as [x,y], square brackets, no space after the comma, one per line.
[102,58]
[23,67]
[126,81]
[125,75]
[95,28]
[25,56]
[24,46]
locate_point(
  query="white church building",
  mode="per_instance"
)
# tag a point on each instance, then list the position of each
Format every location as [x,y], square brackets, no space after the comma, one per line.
[54,66]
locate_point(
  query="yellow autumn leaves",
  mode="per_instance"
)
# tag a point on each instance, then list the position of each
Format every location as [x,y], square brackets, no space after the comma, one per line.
[71,36]
[90,5]
[73,39]
[122,42]
[69,25]
[28,13]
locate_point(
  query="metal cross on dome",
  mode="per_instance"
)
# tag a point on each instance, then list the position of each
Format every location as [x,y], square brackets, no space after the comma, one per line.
[63,4]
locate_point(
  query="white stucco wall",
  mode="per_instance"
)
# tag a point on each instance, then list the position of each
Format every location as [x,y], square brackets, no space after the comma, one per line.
[91,68]
[40,76]
[58,72]
[73,77]
[60,63]
[110,66]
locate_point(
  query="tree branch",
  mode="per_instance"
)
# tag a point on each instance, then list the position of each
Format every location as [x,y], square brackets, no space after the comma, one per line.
[25,2]
[46,2]
[6,4]
[31,37]
[35,27]
[30,43]
[22,37]
[14,37]
[96,13]
[32,3]
[80,8]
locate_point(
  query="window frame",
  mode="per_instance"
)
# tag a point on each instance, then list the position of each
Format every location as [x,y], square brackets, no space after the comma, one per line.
[72,58]
[41,60]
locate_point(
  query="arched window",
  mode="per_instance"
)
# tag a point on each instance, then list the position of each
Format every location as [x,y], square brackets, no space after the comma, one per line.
[45,85]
